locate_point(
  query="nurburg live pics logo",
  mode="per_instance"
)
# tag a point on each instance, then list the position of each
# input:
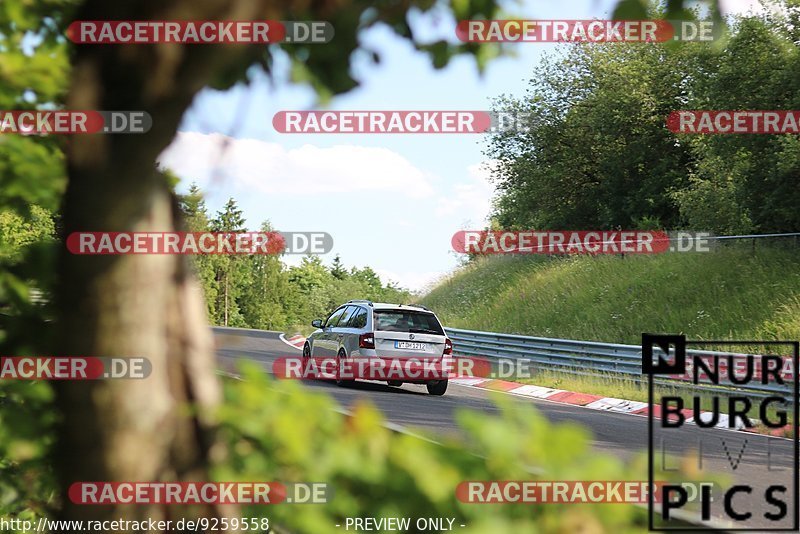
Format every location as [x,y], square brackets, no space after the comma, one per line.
[759,495]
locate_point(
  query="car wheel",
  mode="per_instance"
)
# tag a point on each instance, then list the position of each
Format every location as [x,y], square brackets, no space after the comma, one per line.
[339,357]
[437,387]
[395,383]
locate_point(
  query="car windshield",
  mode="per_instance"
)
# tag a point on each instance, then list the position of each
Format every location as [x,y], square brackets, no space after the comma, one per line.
[407,321]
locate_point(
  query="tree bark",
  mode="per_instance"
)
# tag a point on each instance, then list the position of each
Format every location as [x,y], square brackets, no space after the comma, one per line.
[137,305]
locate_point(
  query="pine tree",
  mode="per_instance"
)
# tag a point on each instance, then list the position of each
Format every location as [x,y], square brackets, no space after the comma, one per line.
[337,269]
[229,219]
[193,207]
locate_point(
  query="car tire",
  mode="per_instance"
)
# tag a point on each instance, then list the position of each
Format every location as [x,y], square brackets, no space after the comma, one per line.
[395,383]
[436,387]
[341,355]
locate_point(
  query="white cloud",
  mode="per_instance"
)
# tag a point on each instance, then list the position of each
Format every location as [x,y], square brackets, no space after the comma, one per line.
[266,167]
[417,281]
[471,200]
[741,7]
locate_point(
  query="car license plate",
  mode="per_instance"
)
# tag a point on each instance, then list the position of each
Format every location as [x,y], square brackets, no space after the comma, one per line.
[410,345]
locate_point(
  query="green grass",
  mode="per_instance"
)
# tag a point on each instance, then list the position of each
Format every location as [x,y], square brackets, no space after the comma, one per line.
[732,293]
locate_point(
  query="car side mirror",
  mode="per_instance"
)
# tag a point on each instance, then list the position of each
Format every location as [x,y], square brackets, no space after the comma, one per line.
[316,323]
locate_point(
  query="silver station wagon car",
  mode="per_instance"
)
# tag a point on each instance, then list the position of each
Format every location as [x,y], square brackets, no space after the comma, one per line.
[365,329]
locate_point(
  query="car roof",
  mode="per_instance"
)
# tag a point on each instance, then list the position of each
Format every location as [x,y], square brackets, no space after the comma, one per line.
[410,307]
[389,306]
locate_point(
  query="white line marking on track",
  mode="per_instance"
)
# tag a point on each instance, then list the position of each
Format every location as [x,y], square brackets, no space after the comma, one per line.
[283,338]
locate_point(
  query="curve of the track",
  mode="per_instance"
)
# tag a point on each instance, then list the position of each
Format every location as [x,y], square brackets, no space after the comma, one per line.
[763,461]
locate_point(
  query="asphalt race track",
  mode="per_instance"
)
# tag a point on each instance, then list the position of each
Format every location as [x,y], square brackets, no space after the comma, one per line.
[764,461]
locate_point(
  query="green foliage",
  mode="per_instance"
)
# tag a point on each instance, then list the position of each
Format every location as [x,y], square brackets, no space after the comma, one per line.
[27,415]
[598,154]
[337,269]
[258,291]
[27,422]
[758,69]
[230,219]
[34,73]
[371,468]
[227,269]
[193,207]
[713,206]
[266,292]
[733,293]
[317,291]
[31,181]
[17,232]
[27,259]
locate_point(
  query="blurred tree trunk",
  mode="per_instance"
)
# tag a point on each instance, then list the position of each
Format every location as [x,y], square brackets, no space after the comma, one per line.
[137,305]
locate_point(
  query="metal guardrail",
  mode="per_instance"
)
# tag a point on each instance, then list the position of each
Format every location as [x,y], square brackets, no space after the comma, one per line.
[590,358]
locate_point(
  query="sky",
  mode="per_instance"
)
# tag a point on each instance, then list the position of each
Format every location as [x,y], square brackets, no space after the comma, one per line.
[390,201]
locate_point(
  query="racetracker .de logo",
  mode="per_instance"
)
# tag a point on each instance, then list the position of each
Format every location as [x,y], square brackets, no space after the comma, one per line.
[585,31]
[199,32]
[419,368]
[578,242]
[382,122]
[555,492]
[199,493]
[247,243]
[65,122]
[403,122]
[734,122]
[72,368]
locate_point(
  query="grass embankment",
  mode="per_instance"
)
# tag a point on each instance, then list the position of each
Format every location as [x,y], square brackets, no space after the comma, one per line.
[732,293]
[727,294]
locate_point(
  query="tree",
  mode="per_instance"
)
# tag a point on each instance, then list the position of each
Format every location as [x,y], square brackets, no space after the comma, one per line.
[312,283]
[229,219]
[151,305]
[34,65]
[19,231]
[265,293]
[597,154]
[748,183]
[337,268]
[193,208]
[368,277]
[195,215]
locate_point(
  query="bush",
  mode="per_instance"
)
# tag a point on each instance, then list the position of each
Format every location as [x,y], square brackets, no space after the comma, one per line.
[280,431]
[712,206]
[27,420]
[283,432]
